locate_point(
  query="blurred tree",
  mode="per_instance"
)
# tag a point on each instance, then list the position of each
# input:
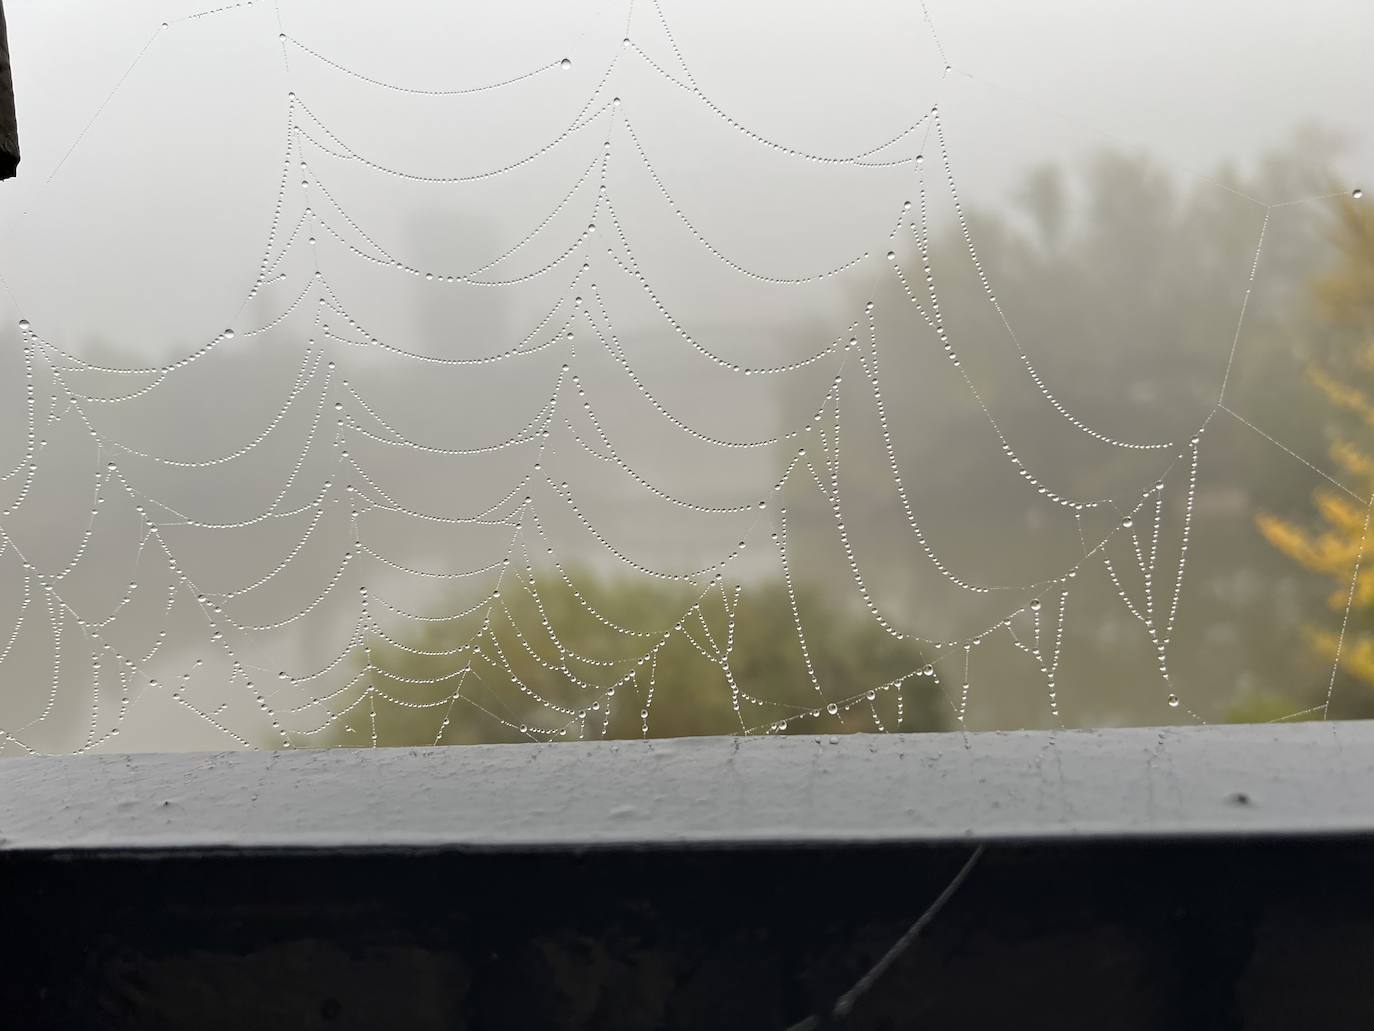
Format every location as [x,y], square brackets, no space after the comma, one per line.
[1122,280]
[553,658]
[1343,374]
[1043,195]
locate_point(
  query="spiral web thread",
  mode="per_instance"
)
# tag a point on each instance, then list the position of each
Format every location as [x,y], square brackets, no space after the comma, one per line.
[301,705]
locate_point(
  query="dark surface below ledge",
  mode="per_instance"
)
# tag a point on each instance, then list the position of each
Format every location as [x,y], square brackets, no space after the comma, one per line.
[1253,933]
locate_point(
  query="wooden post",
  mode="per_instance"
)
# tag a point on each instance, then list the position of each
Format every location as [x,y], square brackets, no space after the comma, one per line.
[9,127]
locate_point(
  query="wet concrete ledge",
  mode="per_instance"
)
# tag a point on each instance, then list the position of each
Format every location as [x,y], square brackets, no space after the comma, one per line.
[1302,779]
[1197,878]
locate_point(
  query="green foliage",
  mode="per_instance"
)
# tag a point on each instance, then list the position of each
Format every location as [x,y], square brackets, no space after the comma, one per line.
[555,658]
[1125,282]
[1268,707]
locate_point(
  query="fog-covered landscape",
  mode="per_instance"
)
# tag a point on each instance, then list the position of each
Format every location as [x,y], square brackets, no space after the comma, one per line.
[622,371]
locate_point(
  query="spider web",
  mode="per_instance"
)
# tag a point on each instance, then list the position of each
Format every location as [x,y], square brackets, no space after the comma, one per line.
[396,480]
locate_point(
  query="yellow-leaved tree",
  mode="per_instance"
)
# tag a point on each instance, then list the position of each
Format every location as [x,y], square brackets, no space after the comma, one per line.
[1342,371]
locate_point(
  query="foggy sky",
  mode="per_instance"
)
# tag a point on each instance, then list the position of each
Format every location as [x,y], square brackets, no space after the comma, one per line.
[200,119]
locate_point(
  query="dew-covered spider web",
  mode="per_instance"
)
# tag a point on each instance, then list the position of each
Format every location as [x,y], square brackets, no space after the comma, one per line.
[409,375]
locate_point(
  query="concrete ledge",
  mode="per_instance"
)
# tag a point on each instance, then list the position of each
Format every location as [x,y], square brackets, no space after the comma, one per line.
[1269,780]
